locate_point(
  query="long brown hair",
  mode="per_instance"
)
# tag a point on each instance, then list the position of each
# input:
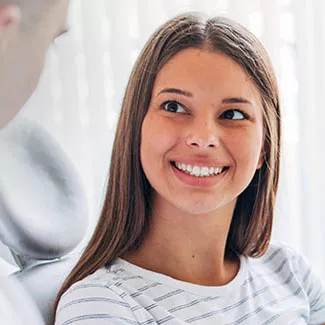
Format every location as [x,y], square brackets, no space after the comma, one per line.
[126,212]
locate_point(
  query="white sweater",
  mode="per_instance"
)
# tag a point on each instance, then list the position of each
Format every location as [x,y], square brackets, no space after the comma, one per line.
[278,289]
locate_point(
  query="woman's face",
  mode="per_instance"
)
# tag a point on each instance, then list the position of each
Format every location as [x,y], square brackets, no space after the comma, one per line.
[202,136]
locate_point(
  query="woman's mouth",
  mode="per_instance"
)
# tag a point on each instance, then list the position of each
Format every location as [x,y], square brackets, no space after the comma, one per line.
[199,171]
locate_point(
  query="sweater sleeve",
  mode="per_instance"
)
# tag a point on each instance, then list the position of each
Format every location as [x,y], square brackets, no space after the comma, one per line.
[90,304]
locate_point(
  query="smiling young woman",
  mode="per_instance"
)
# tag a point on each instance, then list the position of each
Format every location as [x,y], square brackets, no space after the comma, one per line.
[184,233]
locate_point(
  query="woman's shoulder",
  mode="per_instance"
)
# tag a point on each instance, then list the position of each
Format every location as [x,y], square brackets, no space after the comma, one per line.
[97,296]
[311,285]
[281,261]
[280,253]
[107,279]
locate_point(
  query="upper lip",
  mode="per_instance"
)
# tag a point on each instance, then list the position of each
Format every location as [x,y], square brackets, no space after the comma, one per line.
[200,162]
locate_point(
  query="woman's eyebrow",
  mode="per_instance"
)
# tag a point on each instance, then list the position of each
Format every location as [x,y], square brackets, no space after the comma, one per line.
[229,100]
[176,91]
[236,100]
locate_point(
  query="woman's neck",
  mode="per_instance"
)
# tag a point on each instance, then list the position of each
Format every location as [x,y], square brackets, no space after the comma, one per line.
[188,247]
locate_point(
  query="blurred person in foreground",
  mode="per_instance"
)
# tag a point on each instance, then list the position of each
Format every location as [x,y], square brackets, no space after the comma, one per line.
[27,29]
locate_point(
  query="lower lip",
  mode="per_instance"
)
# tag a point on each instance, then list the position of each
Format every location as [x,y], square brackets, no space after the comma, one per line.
[197,181]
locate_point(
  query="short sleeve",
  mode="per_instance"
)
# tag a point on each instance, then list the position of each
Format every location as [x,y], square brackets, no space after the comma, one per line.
[90,304]
[315,290]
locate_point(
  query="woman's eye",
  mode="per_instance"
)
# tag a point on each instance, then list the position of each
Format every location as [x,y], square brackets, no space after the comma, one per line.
[233,114]
[173,106]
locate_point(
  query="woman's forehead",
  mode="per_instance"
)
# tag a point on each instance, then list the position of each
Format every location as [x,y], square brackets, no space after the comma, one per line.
[202,71]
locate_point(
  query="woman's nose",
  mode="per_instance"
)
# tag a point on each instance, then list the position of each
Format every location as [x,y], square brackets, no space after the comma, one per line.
[203,134]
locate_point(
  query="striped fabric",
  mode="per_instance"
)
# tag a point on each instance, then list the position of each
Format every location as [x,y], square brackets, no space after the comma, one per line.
[278,288]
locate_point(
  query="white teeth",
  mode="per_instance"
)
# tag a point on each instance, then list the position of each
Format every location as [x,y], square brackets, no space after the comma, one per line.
[198,171]
[217,170]
[205,171]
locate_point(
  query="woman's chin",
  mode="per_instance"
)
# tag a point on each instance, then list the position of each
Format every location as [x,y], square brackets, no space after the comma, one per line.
[197,208]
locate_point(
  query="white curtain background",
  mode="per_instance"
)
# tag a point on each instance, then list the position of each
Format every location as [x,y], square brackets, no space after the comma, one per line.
[80,93]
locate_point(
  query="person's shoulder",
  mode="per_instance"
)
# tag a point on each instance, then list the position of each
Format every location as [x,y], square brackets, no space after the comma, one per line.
[288,268]
[282,258]
[104,282]
[279,258]
[311,286]
[280,252]
[97,296]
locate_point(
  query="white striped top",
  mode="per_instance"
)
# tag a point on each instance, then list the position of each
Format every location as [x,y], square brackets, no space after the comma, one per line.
[278,288]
